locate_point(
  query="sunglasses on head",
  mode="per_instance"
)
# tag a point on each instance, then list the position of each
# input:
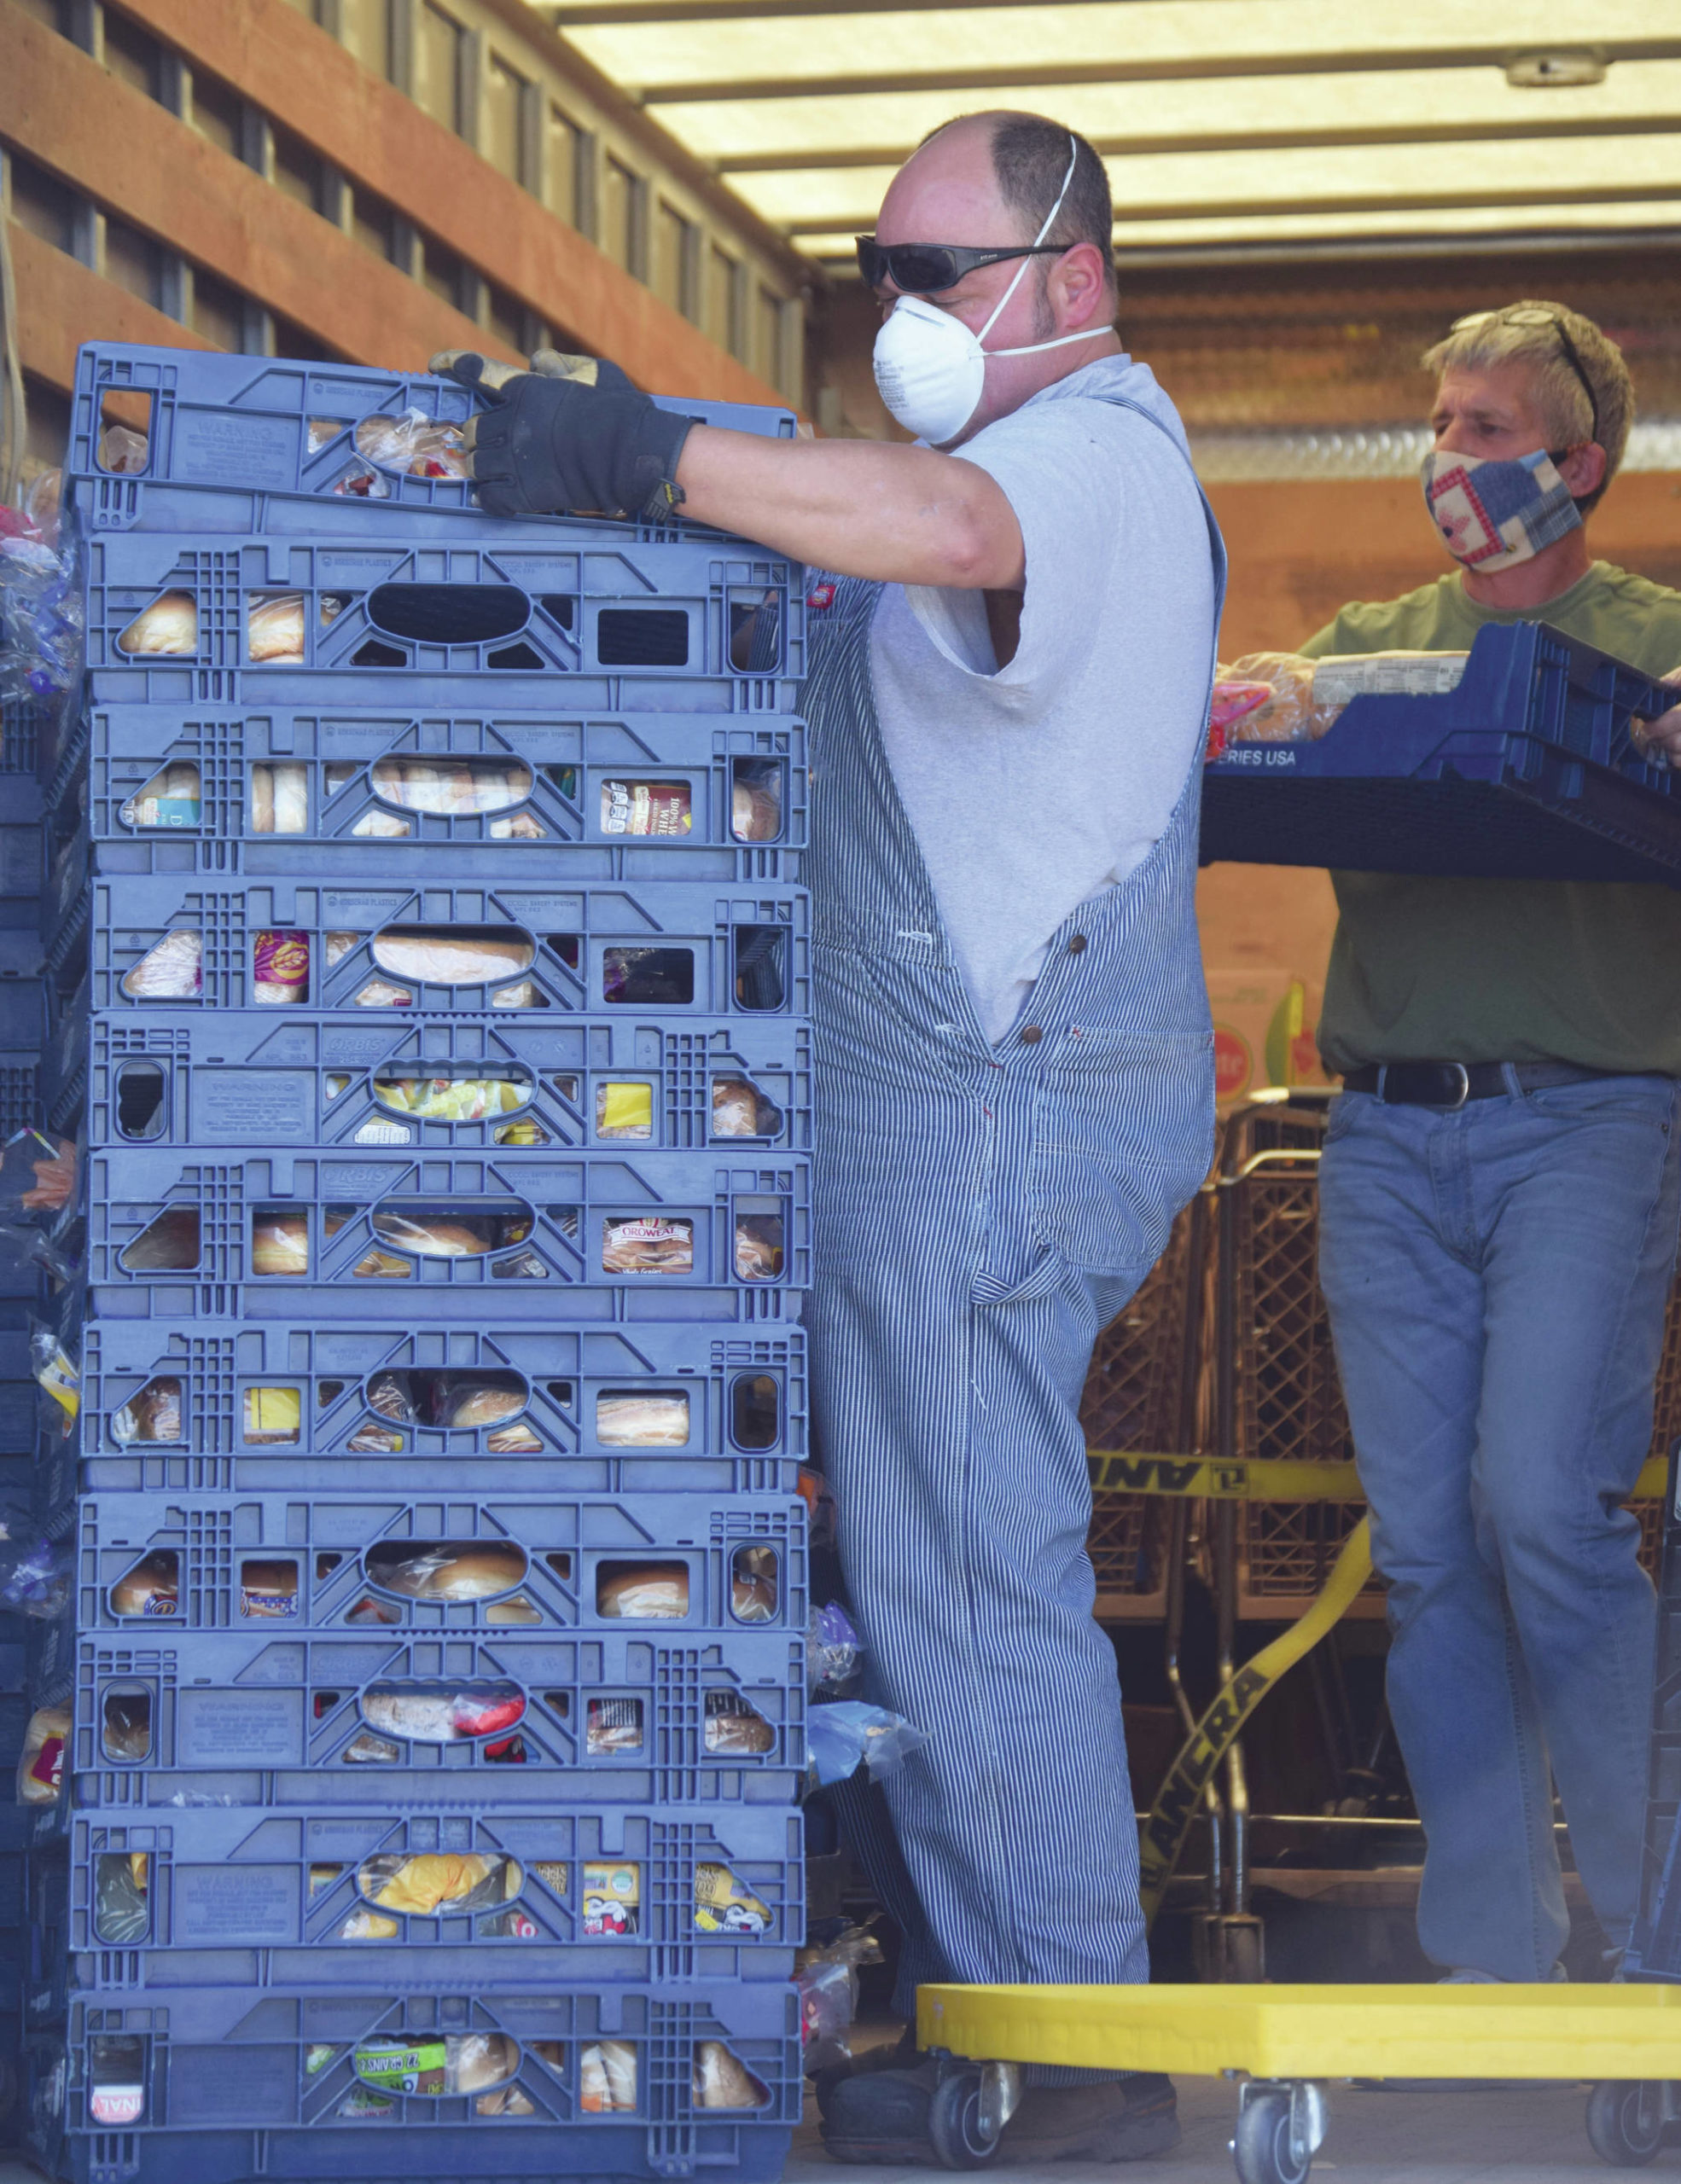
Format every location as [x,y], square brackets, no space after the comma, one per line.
[925,269]
[1567,346]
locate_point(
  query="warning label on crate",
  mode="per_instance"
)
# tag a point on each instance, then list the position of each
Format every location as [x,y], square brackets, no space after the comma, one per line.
[222,448]
[242,1903]
[249,1106]
[239,1728]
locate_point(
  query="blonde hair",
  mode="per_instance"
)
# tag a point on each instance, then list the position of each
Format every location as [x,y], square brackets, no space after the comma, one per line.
[1510,335]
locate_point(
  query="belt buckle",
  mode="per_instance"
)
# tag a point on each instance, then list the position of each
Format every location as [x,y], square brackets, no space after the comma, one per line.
[1464,1084]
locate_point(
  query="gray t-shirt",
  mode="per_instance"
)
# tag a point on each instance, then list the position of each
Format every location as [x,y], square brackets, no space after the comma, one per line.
[1034,787]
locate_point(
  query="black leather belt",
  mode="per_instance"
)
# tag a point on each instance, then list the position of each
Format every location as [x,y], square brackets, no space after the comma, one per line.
[1451,1083]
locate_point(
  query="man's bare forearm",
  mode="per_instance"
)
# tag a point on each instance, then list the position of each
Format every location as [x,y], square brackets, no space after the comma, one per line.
[862,509]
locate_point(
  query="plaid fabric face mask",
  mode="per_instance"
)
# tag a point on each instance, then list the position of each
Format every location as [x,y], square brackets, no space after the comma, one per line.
[1494,513]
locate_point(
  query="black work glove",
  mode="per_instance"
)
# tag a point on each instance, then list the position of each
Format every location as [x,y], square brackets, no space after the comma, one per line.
[572,433]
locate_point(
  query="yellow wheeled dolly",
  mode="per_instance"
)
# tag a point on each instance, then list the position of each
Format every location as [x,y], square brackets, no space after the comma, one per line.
[1283,2043]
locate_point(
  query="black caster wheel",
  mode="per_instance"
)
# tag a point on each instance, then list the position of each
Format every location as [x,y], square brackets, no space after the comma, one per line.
[1264,2149]
[954,2123]
[1625,2121]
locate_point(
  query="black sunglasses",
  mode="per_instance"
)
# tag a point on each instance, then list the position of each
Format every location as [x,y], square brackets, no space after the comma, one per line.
[1537,318]
[925,269]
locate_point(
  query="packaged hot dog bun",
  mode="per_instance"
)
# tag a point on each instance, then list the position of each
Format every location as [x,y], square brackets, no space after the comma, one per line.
[430,1237]
[468,1570]
[279,798]
[280,1243]
[40,1763]
[755,811]
[170,625]
[168,1245]
[153,1414]
[274,628]
[268,1591]
[606,2078]
[170,970]
[649,1592]
[442,958]
[470,1408]
[624,1421]
[722,2080]
[151,1588]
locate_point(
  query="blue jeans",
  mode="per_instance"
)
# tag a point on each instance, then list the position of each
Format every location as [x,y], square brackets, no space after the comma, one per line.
[1498,1277]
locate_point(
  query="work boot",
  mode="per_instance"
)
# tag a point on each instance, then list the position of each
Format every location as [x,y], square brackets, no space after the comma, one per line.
[879,2116]
[900,2054]
[1123,2120]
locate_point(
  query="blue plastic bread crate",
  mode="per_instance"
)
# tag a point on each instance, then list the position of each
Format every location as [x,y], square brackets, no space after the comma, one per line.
[655,796]
[22,864]
[177,1236]
[1526,770]
[236,1077]
[663,1563]
[702,625]
[23,997]
[44,1968]
[433,1899]
[217,2086]
[252,443]
[66,1009]
[351,1407]
[681,949]
[280,1718]
[24,732]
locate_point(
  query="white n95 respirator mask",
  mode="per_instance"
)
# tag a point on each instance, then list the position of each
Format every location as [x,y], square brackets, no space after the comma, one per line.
[930,367]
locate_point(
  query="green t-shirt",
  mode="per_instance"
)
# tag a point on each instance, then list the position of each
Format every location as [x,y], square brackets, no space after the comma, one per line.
[1507,970]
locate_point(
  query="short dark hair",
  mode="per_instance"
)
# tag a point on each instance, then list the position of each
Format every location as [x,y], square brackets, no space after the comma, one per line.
[1030,157]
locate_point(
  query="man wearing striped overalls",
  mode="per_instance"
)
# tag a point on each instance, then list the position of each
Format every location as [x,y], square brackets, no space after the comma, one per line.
[1012,650]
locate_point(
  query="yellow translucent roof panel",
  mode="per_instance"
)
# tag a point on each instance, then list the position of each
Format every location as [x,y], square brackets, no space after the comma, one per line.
[1300,178]
[781,45]
[1267,118]
[1656,215]
[1412,102]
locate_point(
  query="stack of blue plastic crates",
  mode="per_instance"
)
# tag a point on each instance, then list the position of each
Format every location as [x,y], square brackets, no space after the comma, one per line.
[431,978]
[24,1296]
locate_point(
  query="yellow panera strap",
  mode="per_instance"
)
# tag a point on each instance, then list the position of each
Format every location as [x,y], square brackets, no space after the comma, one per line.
[1118,1472]
[1162,1837]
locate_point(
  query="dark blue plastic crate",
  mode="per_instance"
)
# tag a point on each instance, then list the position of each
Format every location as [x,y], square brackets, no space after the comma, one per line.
[278,1719]
[208,1408]
[65,1014]
[702,625]
[195,791]
[177,1235]
[265,444]
[22,863]
[681,949]
[1526,770]
[23,995]
[215,2086]
[19,1091]
[228,1898]
[24,728]
[249,1078]
[45,1940]
[206,1563]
